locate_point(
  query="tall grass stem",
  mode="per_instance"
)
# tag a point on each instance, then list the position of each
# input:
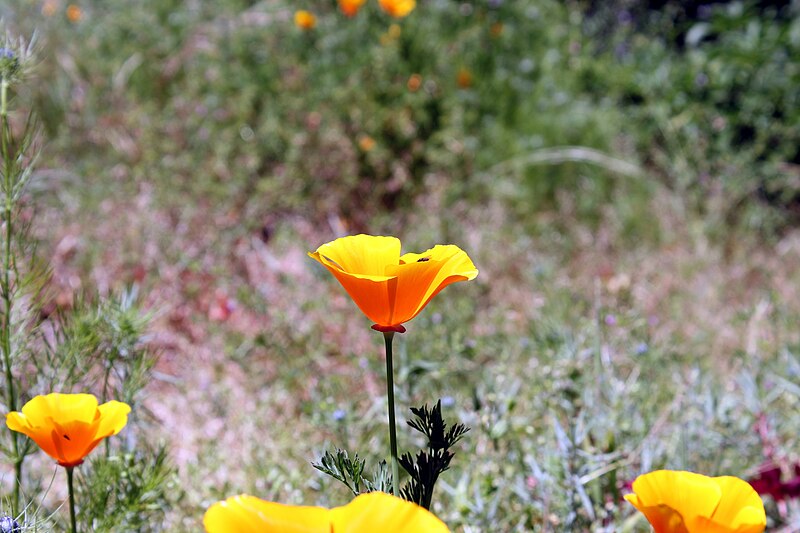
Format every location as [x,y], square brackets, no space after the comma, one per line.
[11,403]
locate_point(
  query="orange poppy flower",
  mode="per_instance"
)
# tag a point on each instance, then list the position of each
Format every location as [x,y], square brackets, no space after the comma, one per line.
[464,78]
[68,426]
[685,502]
[366,143]
[368,513]
[388,287]
[305,20]
[414,82]
[49,8]
[350,7]
[398,8]
[74,13]
[496,29]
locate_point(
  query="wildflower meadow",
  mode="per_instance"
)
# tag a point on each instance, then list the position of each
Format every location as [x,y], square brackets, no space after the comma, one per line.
[409,266]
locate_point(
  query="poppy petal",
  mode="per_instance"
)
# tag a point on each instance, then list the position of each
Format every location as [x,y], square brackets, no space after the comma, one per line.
[248,514]
[455,266]
[17,421]
[377,511]
[675,501]
[414,282]
[113,417]
[362,254]
[374,298]
[73,439]
[78,407]
[740,506]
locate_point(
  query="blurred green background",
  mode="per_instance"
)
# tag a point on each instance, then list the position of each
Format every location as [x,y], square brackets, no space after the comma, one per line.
[625,174]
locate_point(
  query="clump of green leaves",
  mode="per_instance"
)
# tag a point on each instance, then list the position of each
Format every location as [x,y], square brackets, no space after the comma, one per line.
[127,492]
[103,344]
[351,472]
[95,347]
[17,153]
[429,463]
[424,468]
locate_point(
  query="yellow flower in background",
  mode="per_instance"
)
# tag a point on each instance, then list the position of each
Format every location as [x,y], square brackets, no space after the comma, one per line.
[350,7]
[388,287]
[74,13]
[394,31]
[369,513]
[398,8]
[685,502]
[305,20]
[67,427]
[391,35]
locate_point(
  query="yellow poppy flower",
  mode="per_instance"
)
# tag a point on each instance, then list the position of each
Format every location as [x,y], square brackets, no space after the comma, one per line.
[368,513]
[68,426]
[685,502]
[388,287]
[394,32]
[398,8]
[350,7]
[305,20]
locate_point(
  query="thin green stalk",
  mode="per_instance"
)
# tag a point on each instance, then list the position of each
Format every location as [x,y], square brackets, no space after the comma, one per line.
[3,97]
[6,281]
[387,337]
[71,499]
[105,399]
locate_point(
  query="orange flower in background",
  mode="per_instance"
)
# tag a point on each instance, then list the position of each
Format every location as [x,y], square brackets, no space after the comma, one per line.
[414,82]
[496,29]
[49,8]
[67,427]
[366,143]
[464,78]
[388,287]
[685,502]
[350,7]
[368,513]
[305,20]
[74,13]
[398,8]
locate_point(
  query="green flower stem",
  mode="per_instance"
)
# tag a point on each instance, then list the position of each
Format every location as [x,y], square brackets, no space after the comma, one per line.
[71,499]
[387,337]
[11,401]
[3,96]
